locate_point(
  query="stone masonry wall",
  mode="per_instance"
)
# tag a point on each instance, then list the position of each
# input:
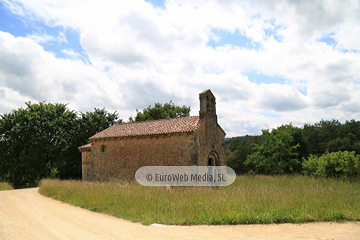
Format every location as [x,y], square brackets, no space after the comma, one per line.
[120,158]
[86,164]
[210,138]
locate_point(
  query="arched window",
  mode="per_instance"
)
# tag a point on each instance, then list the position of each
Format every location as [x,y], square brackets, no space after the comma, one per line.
[213,159]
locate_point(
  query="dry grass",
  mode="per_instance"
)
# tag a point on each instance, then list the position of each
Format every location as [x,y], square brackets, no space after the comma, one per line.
[5,186]
[259,199]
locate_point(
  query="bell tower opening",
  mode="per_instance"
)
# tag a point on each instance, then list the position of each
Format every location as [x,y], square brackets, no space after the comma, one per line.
[207,104]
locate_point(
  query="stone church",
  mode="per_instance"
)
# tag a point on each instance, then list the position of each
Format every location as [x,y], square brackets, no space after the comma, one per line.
[119,151]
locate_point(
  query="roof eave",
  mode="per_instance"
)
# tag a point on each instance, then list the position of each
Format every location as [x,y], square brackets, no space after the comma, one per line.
[143,135]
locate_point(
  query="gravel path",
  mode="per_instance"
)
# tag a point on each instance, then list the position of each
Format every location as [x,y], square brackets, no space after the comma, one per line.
[25,214]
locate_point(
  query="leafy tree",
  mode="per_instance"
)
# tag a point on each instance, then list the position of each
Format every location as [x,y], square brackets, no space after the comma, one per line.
[34,141]
[332,136]
[42,139]
[159,111]
[239,149]
[311,137]
[329,130]
[316,139]
[299,139]
[234,144]
[90,123]
[352,130]
[236,158]
[86,125]
[277,154]
[338,144]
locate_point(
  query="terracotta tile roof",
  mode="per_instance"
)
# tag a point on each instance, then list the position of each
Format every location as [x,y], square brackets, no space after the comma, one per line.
[163,126]
[85,146]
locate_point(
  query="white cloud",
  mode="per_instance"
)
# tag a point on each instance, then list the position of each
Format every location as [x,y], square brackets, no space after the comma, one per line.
[140,55]
[41,38]
[70,53]
[36,74]
[44,38]
[280,97]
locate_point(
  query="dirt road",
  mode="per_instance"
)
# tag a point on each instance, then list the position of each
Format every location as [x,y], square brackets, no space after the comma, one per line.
[25,214]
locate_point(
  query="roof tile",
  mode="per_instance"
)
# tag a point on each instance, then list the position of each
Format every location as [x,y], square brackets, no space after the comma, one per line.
[85,146]
[163,126]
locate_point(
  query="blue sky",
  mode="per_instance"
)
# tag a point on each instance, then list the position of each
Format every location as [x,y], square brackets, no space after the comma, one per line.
[229,38]
[328,39]
[257,77]
[22,27]
[157,3]
[267,63]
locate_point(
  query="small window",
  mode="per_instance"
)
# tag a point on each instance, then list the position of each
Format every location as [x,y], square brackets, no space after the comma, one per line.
[103,148]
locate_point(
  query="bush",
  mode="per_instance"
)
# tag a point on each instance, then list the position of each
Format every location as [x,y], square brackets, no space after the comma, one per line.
[335,165]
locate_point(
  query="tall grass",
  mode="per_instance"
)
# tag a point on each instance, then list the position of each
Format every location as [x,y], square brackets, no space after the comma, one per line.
[5,186]
[260,199]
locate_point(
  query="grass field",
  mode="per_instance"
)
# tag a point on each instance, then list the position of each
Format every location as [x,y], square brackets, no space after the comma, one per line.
[5,186]
[259,199]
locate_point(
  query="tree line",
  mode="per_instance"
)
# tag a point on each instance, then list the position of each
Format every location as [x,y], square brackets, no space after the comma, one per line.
[41,140]
[324,149]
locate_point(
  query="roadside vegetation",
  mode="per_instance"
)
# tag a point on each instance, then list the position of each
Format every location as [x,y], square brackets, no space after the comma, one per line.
[327,149]
[5,186]
[249,200]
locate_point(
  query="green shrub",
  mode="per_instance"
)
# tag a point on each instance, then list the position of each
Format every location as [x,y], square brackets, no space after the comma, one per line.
[336,165]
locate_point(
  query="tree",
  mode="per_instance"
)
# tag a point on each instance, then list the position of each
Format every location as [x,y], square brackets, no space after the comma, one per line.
[159,111]
[332,136]
[277,154]
[239,149]
[34,141]
[236,158]
[90,123]
[311,136]
[42,139]
[329,130]
[317,139]
[86,125]
[352,131]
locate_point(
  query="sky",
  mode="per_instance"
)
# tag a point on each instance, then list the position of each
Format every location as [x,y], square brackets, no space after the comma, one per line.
[268,62]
